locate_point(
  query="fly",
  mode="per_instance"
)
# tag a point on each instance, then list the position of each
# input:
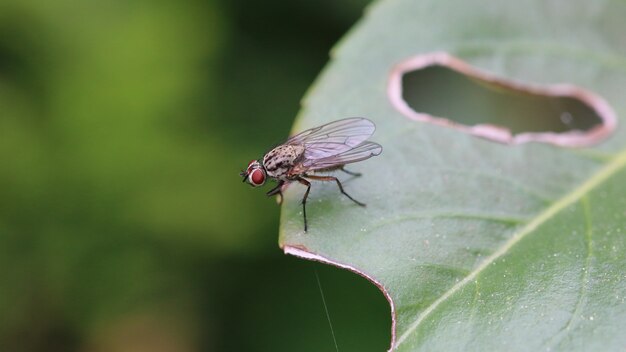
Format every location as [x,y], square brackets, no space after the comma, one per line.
[321,149]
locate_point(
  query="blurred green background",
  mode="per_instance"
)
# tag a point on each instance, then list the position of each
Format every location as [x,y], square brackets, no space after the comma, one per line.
[124,225]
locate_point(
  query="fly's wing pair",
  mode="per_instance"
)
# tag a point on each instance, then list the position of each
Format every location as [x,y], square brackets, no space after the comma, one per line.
[336,143]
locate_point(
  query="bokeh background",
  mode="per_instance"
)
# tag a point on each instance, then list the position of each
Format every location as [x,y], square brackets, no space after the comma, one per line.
[124,225]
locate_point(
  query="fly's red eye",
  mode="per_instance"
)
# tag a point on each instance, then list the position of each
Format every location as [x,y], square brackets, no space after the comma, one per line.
[257,177]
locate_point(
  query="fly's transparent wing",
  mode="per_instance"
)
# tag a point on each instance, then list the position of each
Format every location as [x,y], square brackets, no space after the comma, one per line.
[333,138]
[363,151]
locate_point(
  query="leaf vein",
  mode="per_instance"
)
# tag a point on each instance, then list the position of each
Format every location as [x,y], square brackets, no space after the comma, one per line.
[502,218]
[568,199]
[584,276]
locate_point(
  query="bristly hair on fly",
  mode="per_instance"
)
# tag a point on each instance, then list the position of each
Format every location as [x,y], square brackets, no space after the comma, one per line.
[320,149]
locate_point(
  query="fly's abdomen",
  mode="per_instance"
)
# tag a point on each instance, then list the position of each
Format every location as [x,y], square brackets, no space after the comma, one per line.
[282,158]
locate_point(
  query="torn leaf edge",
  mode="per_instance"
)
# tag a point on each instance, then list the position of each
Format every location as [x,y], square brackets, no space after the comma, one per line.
[305,254]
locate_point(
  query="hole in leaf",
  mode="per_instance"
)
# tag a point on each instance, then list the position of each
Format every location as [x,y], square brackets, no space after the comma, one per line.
[441,89]
[469,102]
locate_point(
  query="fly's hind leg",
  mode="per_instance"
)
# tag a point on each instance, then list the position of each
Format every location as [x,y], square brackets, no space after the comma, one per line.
[332,178]
[355,174]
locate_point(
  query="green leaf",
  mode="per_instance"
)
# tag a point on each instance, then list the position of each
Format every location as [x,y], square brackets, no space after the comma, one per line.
[478,245]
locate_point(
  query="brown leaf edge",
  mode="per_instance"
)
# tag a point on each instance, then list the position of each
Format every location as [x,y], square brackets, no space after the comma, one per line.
[302,252]
[501,134]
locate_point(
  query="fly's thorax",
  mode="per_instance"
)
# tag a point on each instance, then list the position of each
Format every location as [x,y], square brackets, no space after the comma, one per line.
[278,161]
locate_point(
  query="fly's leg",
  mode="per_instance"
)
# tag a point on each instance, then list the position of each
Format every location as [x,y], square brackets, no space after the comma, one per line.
[332,178]
[277,191]
[306,194]
[355,174]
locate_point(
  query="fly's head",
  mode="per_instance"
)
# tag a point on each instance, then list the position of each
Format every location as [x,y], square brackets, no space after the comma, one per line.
[254,174]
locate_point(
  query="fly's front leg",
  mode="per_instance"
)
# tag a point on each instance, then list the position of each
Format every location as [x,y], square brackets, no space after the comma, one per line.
[306,194]
[277,191]
[332,178]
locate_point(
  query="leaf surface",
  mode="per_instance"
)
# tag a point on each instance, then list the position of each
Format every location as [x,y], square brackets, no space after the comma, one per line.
[478,245]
